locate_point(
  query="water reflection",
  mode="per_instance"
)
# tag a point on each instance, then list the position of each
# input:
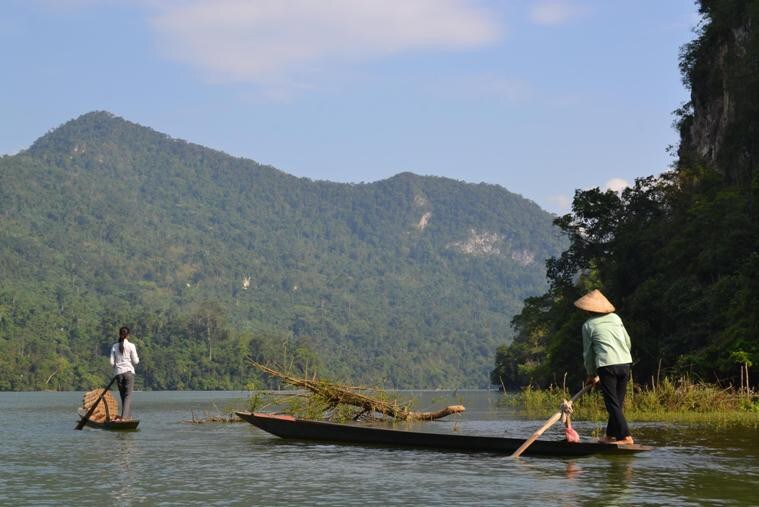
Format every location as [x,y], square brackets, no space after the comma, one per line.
[573,470]
[124,453]
[617,477]
[603,480]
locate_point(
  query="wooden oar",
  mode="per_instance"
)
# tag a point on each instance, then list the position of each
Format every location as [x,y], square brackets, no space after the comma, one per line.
[86,416]
[550,422]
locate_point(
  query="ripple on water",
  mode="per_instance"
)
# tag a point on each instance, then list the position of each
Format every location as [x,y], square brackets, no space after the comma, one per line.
[44,462]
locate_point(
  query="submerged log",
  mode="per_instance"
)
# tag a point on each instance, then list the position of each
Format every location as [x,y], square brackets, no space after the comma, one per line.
[336,394]
[431,416]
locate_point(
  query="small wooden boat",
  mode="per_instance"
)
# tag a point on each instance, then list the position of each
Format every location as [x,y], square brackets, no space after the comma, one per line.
[110,424]
[285,426]
[103,416]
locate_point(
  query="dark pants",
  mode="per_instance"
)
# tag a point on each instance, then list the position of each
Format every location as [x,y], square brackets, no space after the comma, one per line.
[613,386]
[126,386]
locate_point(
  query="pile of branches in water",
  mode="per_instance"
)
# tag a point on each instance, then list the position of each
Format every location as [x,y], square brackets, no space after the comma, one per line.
[341,401]
[209,418]
[225,415]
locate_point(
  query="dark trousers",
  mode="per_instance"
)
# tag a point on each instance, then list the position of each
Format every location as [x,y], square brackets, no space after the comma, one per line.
[126,386]
[613,386]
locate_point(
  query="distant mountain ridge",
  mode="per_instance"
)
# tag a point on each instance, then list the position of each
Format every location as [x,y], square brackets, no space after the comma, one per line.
[408,282]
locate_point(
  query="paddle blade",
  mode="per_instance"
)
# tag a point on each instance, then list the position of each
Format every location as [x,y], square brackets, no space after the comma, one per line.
[572,436]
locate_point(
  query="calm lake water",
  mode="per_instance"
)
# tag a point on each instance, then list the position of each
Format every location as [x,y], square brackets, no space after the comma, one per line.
[43,461]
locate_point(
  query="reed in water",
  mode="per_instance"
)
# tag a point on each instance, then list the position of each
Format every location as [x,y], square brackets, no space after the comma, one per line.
[671,400]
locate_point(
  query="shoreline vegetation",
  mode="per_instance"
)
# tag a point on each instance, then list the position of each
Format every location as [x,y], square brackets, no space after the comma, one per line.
[679,400]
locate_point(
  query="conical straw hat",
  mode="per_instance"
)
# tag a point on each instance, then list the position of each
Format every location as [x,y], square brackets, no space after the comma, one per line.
[594,301]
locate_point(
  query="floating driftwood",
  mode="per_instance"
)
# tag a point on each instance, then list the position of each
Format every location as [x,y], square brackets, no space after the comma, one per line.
[334,394]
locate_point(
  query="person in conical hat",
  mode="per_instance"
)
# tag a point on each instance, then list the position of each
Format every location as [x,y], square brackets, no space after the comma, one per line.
[595,302]
[607,358]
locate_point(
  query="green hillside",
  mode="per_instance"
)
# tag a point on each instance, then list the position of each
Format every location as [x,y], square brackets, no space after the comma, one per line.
[407,282]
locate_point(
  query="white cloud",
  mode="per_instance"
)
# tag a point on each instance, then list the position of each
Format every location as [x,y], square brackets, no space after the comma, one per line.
[615,184]
[559,204]
[555,12]
[274,41]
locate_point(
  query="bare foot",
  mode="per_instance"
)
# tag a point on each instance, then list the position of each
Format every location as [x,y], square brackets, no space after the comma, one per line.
[628,440]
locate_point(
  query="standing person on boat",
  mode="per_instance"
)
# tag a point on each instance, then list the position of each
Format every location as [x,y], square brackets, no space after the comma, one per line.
[606,353]
[124,359]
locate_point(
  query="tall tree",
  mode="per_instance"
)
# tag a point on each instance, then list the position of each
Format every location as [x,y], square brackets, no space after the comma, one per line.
[677,253]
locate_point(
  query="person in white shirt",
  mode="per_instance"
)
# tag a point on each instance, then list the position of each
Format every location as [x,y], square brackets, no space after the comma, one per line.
[123,359]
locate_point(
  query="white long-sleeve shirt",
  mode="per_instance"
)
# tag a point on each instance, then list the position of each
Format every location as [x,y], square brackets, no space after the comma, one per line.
[125,362]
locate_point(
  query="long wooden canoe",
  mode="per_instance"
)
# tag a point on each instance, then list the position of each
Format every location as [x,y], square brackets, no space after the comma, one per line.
[110,424]
[289,427]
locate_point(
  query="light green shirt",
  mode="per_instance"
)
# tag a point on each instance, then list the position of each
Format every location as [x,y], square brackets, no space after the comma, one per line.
[604,342]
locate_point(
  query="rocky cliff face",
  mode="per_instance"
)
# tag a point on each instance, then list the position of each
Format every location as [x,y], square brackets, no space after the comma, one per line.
[719,127]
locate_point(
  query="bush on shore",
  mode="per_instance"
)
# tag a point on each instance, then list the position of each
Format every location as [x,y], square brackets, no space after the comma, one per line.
[672,400]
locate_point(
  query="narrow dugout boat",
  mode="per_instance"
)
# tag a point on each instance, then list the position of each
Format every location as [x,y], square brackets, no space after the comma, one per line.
[289,427]
[103,415]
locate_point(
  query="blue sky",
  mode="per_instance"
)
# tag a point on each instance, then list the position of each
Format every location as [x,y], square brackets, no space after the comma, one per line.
[540,96]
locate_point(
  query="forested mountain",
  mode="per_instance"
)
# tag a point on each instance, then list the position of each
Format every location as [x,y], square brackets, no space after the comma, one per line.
[678,254]
[407,282]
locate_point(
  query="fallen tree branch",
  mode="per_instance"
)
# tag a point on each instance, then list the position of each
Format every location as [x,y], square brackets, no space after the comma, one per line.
[335,394]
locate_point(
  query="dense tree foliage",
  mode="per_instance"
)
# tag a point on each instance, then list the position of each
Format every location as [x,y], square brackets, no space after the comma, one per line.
[407,282]
[677,254]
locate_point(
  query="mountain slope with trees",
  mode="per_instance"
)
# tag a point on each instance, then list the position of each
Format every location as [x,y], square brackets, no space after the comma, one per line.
[407,282]
[678,254]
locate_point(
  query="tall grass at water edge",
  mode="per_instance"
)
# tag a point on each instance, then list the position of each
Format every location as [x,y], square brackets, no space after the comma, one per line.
[672,400]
